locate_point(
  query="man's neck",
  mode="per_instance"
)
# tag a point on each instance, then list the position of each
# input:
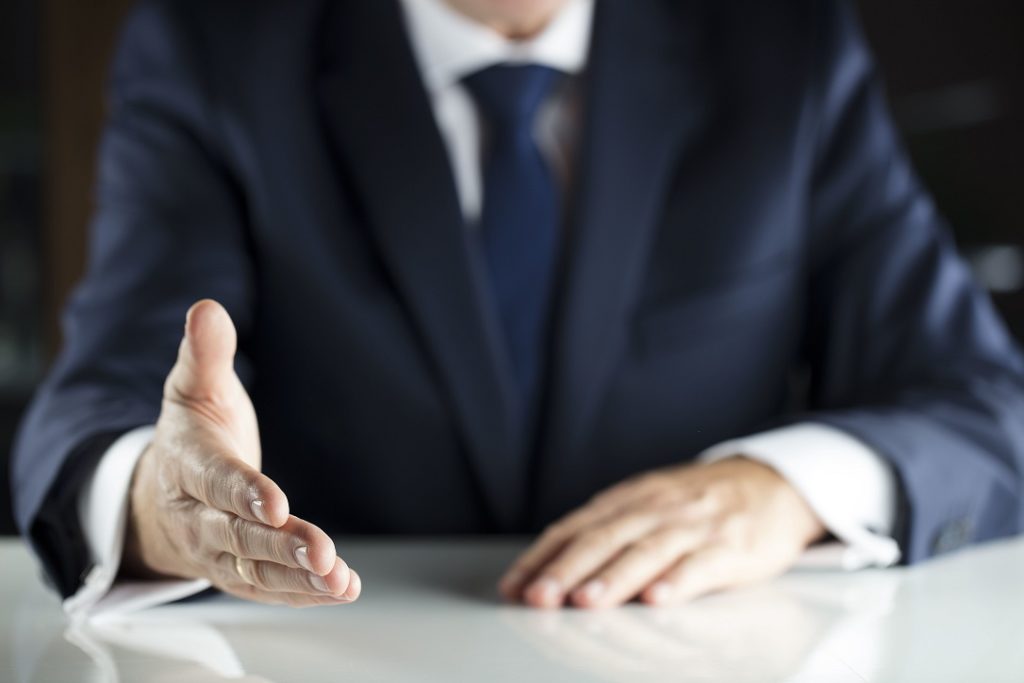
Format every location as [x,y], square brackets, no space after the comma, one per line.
[521,22]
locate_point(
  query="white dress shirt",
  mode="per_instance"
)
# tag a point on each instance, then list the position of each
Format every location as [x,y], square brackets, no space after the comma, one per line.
[848,485]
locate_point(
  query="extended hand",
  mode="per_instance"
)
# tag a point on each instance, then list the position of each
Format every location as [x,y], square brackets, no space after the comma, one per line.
[666,537]
[200,508]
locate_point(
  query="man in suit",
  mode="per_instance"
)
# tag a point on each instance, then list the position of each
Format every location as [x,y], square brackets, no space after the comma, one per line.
[652,275]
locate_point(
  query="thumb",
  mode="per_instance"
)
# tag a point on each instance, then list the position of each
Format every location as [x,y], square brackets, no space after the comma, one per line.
[207,352]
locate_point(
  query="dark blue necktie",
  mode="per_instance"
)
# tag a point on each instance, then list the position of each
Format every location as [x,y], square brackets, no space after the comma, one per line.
[519,221]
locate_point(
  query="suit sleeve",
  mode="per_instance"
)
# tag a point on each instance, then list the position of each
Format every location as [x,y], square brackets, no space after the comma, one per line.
[168,229]
[907,352]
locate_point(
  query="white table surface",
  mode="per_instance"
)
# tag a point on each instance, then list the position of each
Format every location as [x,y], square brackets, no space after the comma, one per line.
[429,613]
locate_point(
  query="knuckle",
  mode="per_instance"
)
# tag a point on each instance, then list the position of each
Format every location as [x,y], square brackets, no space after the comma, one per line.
[702,497]
[237,540]
[691,507]
[648,483]
[655,479]
[280,546]
[721,494]
[613,493]
[224,485]
[259,574]
[597,538]
[207,472]
[666,498]
[236,488]
[650,545]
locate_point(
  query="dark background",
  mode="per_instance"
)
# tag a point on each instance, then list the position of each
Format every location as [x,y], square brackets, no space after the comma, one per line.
[954,72]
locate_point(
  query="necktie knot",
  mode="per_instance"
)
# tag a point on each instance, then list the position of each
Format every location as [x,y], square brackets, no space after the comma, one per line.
[510,95]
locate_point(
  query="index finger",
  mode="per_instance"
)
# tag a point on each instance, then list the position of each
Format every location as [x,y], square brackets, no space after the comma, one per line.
[227,483]
[551,542]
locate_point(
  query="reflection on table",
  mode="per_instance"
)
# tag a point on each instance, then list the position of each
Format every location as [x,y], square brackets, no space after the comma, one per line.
[429,613]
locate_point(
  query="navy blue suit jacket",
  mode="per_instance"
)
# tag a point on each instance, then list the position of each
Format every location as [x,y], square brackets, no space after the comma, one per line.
[747,247]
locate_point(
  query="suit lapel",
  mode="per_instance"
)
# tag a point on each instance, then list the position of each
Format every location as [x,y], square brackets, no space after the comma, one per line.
[382,124]
[645,100]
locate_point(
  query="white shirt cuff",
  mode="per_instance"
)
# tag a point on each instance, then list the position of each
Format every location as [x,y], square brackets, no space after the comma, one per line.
[848,485]
[102,511]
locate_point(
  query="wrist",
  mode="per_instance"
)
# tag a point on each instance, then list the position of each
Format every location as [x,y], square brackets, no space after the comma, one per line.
[138,560]
[804,521]
[811,528]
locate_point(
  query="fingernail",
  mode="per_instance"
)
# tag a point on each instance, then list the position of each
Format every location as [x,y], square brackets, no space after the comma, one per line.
[257,509]
[546,590]
[302,557]
[593,590]
[319,583]
[660,592]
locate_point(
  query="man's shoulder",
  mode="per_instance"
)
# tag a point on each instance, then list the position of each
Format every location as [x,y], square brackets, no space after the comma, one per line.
[230,15]
[223,27]
[755,45]
[775,18]
[213,40]
[792,23]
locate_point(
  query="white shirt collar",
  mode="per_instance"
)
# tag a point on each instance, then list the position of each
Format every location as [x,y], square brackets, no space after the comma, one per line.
[449,46]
